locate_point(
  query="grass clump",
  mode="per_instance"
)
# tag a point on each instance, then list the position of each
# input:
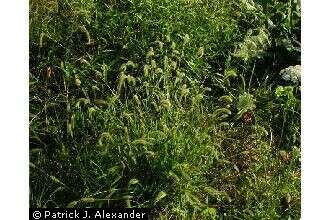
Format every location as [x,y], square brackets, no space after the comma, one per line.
[177,106]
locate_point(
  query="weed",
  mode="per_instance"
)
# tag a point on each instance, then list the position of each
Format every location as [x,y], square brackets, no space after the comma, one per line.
[178,106]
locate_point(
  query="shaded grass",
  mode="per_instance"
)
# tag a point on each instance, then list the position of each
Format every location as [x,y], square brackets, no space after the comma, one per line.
[167,105]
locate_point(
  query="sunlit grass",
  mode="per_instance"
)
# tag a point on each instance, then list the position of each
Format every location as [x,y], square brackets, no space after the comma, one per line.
[178,106]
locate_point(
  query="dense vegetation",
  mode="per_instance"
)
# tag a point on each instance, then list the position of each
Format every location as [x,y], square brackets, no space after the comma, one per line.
[179,106]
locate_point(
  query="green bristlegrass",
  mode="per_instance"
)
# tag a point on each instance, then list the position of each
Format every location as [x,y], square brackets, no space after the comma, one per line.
[140,103]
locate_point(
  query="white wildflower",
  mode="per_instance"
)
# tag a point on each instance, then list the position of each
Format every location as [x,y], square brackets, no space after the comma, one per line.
[291,73]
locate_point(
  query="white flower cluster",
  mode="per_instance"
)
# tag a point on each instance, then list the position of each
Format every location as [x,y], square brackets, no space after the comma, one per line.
[291,73]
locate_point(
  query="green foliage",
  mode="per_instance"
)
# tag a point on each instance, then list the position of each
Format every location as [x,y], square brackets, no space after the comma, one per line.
[288,105]
[169,105]
[246,102]
[253,46]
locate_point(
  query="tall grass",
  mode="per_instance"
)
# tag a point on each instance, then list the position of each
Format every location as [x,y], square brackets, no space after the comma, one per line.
[176,106]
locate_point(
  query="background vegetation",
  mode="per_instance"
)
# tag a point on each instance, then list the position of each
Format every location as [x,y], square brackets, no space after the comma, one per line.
[178,106]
